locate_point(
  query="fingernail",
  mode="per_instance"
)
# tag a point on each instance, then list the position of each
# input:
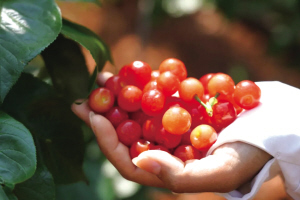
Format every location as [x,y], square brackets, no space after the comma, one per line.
[91,115]
[79,101]
[147,164]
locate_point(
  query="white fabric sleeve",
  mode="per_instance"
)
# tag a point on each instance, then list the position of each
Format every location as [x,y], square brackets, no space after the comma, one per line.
[273,126]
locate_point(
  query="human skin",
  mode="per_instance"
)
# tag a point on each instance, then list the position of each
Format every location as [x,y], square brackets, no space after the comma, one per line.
[229,166]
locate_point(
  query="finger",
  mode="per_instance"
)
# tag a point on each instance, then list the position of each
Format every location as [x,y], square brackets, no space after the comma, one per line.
[102,77]
[192,176]
[82,111]
[221,172]
[118,154]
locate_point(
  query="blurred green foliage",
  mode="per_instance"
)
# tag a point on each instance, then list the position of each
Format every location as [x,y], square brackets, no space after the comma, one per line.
[278,20]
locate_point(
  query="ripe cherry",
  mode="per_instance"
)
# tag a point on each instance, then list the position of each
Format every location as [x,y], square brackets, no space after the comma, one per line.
[139,116]
[204,80]
[140,146]
[187,152]
[150,128]
[168,83]
[175,101]
[116,115]
[238,108]
[199,116]
[186,137]
[123,74]
[189,88]
[101,100]
[114,84]
[129,98]
[175,66]
[221,83]
[177,120]
[203,137]
[247,94]
[205,98]
[137,73]
[129,132]
[161,148]
[224,114]
[153,102]
[167,139]
[150,86]
[154,75]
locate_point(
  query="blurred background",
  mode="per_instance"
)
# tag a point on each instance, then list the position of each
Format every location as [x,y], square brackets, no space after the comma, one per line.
[250,39]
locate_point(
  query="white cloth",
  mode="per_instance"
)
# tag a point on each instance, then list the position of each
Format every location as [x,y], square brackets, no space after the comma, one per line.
[273,126]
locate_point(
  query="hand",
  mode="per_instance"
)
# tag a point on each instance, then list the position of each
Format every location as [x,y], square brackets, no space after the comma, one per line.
[227,168]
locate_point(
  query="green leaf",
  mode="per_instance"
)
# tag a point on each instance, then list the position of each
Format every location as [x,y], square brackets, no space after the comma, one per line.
[17,151]
[57,131]
[91,41]
[88,39]
[3,195]
[6,194]
[99,187]
[39,187]
[92,1]
[27,27]
[66,65]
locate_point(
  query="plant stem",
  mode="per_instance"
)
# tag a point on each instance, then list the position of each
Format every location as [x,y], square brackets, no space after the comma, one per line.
[207,106]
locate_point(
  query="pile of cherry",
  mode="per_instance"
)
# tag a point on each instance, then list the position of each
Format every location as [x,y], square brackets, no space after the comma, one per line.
[166,110]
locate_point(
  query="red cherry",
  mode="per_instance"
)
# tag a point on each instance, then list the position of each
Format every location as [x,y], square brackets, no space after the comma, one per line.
[221,83]
[189,88]
[203,137]
[153,102]
[177,120]
[161,148]
[238,108]
[199,116]
[137,73]
[139,116]
[129,132]
[247,94]
[129,98]
[150,128]
[154,75]
[167,139]
[114,84]
[205,98]
[150,86]
[101,100]
[186,138]
[175,101]
[224,114]
[140,146]
[168,83]
[187,152]
[204,80]
[175,66]
[123,71]
[116,115]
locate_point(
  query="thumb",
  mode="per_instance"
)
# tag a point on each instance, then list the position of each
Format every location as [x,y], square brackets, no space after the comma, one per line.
[230,166]
[206,175]
[156,162]
[162,164]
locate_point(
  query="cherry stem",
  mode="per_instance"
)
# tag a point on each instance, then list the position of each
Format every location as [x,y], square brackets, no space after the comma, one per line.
[199,100]
[207,106]
[212,101]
